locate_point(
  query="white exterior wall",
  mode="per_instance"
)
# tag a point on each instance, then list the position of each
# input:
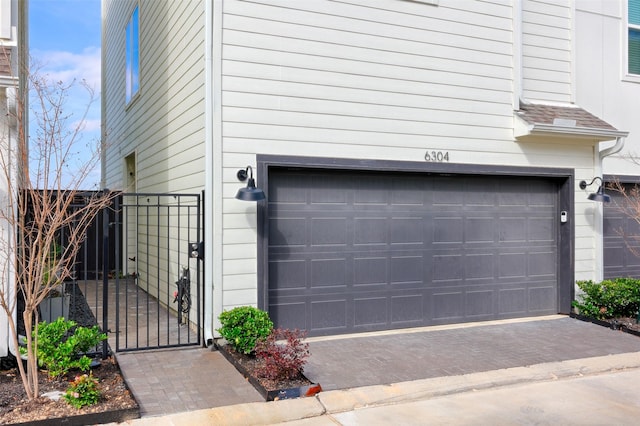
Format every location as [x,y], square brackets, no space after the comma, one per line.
[357,79]
[547,50]
[348,80]
[164,125]
[603,88]
[12,35]
[602,84]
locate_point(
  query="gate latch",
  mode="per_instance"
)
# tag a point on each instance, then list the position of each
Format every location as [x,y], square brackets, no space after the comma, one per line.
[196,250]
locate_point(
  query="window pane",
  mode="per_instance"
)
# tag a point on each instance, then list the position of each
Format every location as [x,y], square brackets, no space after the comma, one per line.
[634,51]
[132,66]
[634,12]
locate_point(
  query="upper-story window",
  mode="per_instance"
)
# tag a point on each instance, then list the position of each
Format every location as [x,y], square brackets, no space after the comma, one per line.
[633,39]
[133,56]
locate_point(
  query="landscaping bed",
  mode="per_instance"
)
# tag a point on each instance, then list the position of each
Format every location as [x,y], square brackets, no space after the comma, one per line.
[271,390]
[116,404]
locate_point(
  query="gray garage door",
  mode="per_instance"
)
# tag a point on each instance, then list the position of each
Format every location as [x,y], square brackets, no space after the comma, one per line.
[361,251]
[620,233]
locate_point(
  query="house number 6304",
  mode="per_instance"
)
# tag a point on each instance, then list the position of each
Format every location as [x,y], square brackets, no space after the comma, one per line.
[437,156]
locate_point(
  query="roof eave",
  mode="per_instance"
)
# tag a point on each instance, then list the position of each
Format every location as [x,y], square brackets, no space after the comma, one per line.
[524,131]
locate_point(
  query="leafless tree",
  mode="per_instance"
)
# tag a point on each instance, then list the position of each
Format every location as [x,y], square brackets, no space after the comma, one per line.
[44,173]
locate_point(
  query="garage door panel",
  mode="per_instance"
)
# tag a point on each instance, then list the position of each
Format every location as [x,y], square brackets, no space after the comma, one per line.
[370,270]
[541,297]
[479,266]
[441,249]
[542,264]
[328,231]
[370,311]
[289,274]
[448,229]
[447,267]
[513,265]
[406,230]
[288,232]
[328,273]
[328,315]
[407,309]
[541,229]
[449,305]
[372,230]
[479,304]
[512,301]
[621,245]
[480,229]
[513,229]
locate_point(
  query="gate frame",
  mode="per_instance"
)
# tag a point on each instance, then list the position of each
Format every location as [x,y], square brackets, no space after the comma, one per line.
[120,208]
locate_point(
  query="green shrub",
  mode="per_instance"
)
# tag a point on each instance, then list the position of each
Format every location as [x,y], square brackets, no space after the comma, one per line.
[61,343]
[609,298]
[243,326]
[83,390]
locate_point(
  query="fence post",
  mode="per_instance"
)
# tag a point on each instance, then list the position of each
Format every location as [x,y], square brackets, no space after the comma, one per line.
[105,279]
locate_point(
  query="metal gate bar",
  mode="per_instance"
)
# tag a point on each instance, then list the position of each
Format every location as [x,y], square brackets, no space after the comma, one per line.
[156,231]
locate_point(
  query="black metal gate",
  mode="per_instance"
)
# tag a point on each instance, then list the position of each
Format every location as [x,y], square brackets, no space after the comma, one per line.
[161,235]
[140,271]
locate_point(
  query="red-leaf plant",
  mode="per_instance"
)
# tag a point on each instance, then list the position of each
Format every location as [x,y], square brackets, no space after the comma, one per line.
[284,353]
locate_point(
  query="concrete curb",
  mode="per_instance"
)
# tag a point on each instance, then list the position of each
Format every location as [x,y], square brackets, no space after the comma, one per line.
[350,399]
[338,401]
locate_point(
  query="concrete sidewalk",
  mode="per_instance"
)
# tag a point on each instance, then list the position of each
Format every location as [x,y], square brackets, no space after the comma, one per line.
[595,391]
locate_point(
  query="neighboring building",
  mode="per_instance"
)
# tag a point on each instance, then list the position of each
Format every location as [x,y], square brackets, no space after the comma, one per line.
[607,81]
[13,48]
[421,159]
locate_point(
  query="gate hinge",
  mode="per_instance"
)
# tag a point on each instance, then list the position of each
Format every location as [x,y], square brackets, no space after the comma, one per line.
[196,250]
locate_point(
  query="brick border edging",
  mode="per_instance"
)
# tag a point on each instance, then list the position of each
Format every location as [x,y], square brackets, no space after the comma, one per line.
[612,326]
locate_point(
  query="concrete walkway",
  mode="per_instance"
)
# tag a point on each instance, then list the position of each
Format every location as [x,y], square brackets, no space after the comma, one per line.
[197,386]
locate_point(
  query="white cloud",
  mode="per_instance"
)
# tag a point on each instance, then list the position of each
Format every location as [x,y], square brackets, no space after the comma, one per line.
[68,66]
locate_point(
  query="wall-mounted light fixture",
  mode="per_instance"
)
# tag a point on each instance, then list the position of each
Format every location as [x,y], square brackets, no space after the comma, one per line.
[599,195]
[250,193]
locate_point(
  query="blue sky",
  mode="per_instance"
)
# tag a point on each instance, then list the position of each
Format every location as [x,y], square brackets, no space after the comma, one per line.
[64,38]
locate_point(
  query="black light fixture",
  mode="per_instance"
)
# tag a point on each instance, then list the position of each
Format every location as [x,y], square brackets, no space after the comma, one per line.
[599,195]
[250,193]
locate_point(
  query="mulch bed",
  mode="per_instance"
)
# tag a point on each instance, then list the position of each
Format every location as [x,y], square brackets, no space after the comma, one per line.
[624,324]
[116,403]
[271,390]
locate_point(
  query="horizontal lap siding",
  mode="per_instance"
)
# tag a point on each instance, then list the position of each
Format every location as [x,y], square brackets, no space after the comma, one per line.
[165,125]
[354,79]
[344,74]
[546,50]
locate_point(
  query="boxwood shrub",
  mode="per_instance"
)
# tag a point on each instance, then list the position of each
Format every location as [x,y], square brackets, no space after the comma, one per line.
[608,299]
[243,326]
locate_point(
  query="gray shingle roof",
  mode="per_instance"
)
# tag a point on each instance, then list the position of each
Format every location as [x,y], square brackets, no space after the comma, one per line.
[548,114]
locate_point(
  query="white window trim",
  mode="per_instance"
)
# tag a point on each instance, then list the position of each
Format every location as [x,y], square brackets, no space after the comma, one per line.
[626,76]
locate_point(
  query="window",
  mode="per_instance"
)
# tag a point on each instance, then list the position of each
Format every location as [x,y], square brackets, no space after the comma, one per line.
[633,40]
[133,57]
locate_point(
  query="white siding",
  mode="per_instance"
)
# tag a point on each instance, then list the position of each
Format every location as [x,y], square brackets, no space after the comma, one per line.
[383,80]
[546,50]
[165,124]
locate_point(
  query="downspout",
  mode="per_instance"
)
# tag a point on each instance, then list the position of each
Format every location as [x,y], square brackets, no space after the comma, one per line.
[208,173]
[614,149]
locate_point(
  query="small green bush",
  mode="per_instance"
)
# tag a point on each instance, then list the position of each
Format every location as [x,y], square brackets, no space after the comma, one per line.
[83,391]
[609,298]
[243,326]
[61,343]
